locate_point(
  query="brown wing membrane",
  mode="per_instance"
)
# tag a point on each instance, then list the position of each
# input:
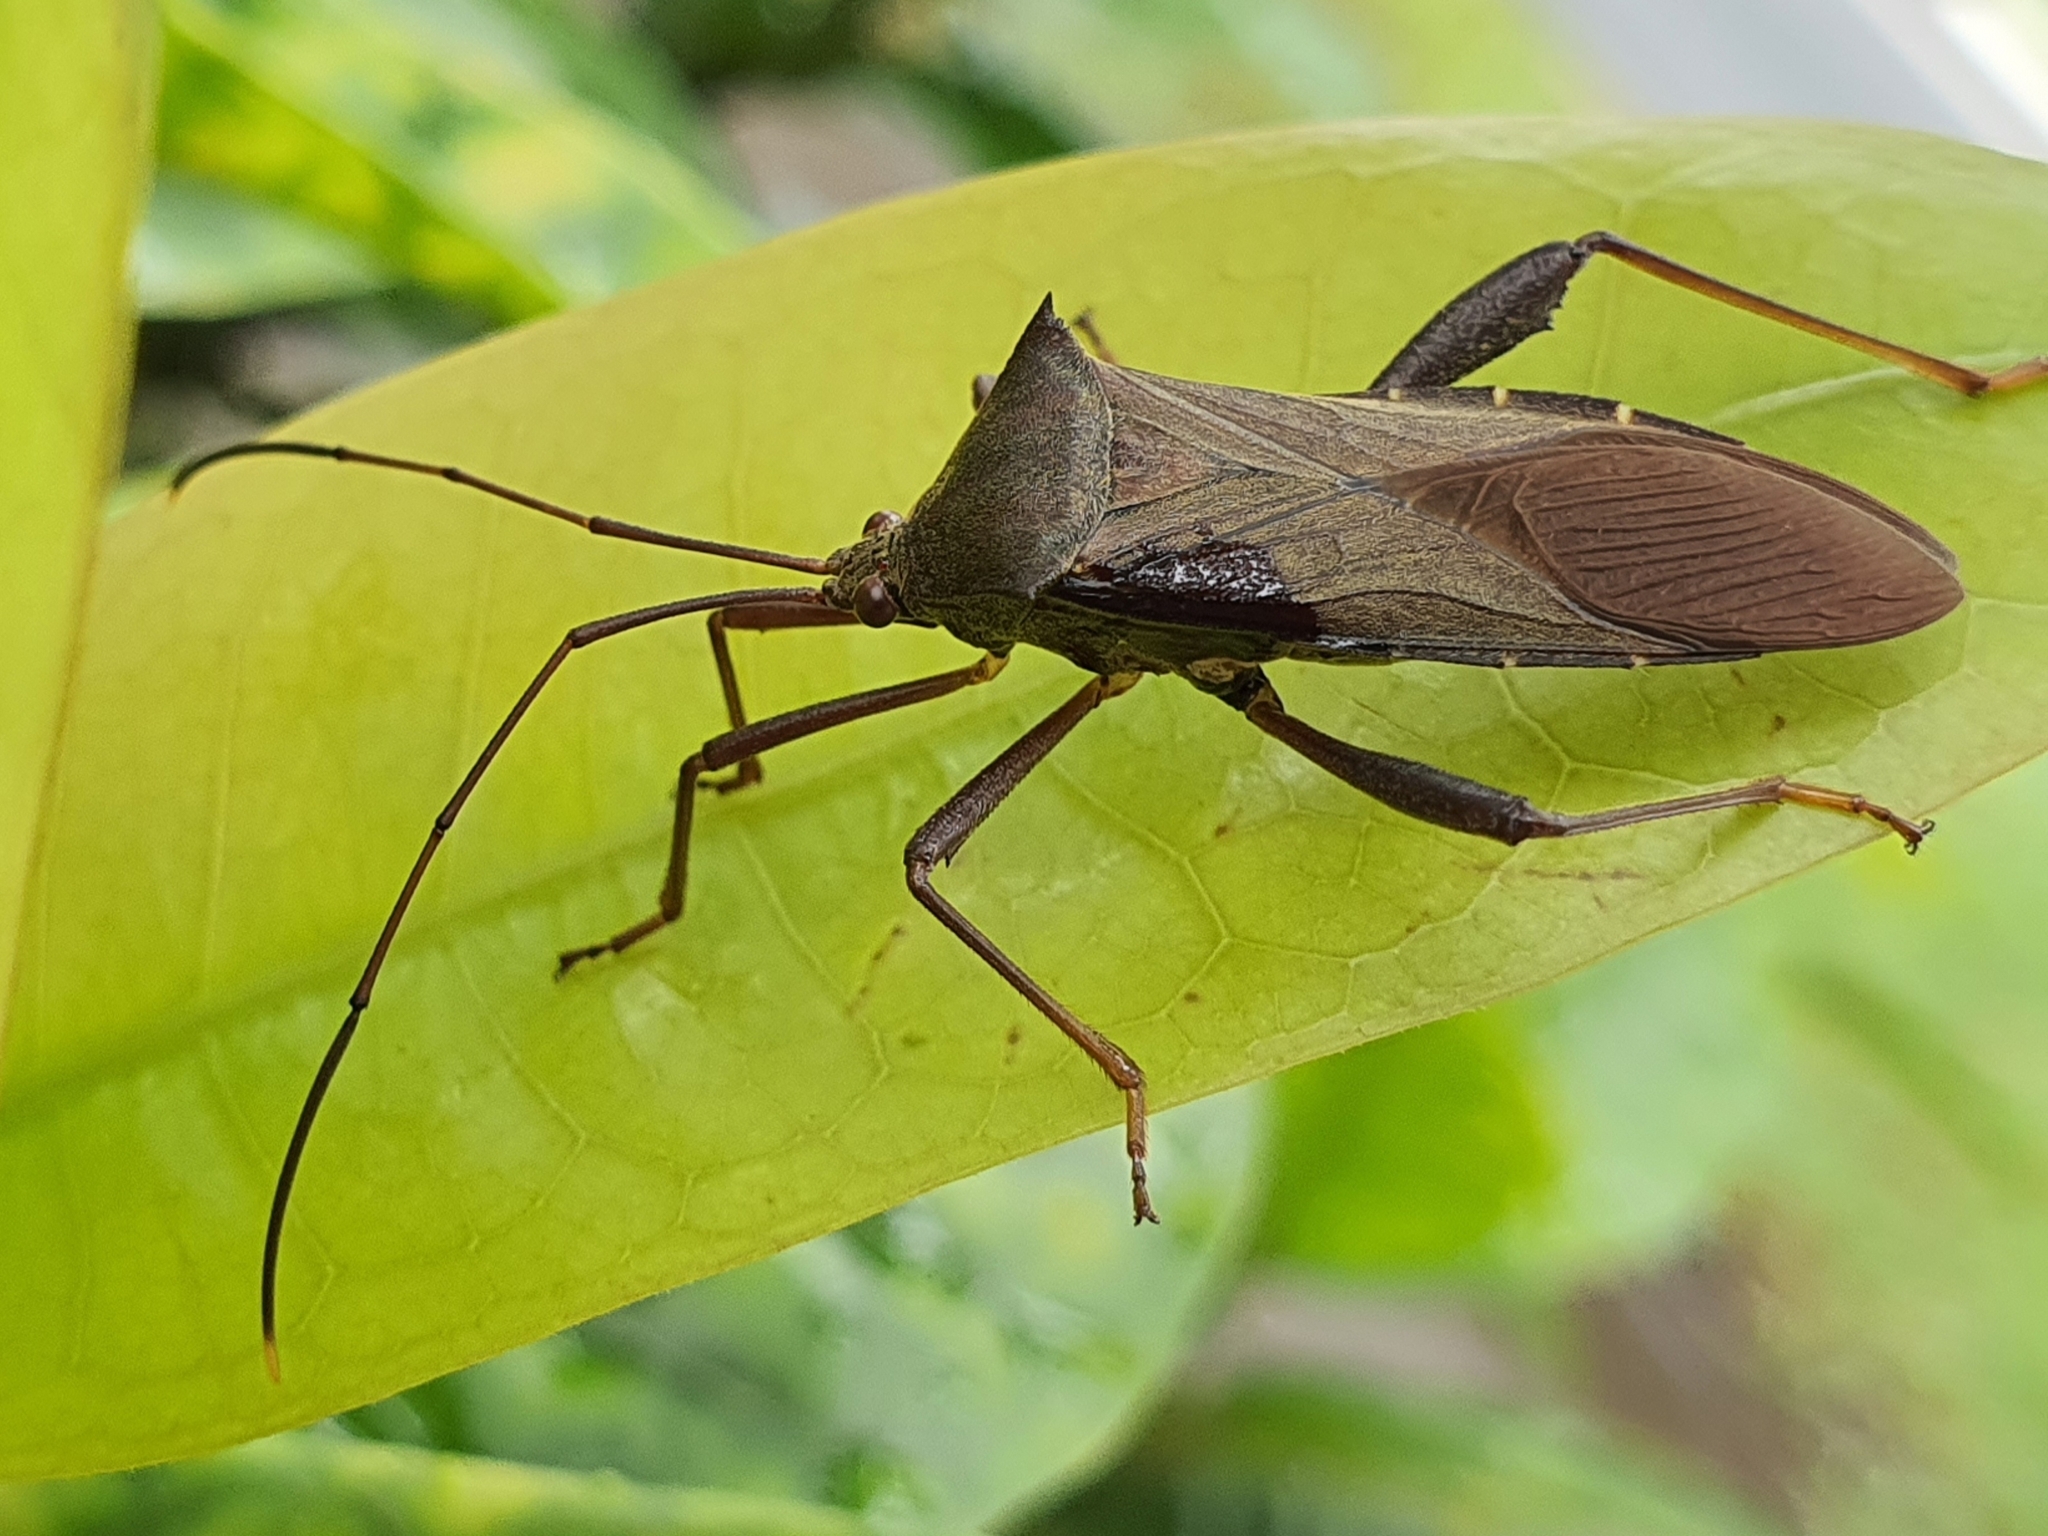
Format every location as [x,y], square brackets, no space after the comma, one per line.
[1484,526]
[1706,544]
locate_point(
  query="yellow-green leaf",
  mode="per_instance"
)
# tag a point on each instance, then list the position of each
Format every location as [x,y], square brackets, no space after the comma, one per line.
[73,142]
[286,673]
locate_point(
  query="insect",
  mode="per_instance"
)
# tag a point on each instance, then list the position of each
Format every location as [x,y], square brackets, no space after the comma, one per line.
[1135,523]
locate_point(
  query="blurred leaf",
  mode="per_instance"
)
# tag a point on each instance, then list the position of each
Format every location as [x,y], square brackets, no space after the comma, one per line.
[305,657]
[1440,56]
[1551,1139]
[1114,71]
[320,1481]
[1409,1151]
[73,143]
[436,134]
[606,57]
[1850,1075]
[207,252]
[1897,1220]
[933,1366]
[1117,73]
[1275,1457]
[980,116]
[717,39]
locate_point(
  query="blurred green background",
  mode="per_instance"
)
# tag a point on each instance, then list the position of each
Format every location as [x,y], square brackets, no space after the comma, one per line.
[1743,1231]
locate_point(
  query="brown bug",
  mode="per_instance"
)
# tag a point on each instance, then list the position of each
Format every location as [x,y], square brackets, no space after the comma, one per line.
[1135,523]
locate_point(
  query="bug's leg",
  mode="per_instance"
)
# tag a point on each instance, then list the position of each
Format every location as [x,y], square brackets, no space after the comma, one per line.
[1465,805]
[737,746]
[366,984]
[765,616]
[1514,302]
[940,838]
[1084,322]
[1496,314]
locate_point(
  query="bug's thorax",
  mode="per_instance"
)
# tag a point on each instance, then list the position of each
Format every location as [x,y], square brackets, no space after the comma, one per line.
[1022,491]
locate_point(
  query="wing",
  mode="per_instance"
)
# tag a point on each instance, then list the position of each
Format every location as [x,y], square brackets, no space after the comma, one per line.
[1452,527]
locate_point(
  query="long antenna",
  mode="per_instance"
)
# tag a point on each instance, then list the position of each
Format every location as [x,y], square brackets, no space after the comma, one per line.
[359,1000]
[604,527]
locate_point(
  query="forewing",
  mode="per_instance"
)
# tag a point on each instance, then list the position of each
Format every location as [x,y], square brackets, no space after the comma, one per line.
[1703,543]
[1458,529]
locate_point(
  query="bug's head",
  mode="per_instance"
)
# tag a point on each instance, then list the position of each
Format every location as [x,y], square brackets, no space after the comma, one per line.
[862,582]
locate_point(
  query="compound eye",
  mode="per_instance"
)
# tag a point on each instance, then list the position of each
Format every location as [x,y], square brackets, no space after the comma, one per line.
[879,523]
[873,605]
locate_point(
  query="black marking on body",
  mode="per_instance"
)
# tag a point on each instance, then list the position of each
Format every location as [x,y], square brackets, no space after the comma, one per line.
[1225,582]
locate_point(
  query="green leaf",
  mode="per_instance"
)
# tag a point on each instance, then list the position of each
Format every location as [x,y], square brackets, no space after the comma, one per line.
[1447,56]
[940,1365]
[1409,1152]
[285,674]
[206,252]
[1546,1141]
[609,59]
[73,123]
[1128,73]
[438,136]
[349,1487]
[1276,1455]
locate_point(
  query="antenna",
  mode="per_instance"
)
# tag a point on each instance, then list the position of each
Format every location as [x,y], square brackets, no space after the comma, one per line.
[603,527]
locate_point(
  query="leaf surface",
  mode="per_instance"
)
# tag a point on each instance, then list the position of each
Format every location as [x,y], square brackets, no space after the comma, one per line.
[73,127]
[287,672]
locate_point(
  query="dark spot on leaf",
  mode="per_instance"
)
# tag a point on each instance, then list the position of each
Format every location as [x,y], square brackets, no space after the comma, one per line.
[911,1039]
[1015,1037]
[1777,724]
[1224,830]
[1191,997]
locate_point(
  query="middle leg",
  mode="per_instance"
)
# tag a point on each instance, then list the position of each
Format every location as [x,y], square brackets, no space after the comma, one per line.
[761,616]
[941,837]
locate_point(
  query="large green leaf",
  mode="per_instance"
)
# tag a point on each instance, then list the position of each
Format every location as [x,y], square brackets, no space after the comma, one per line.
[73,143]
[284,674]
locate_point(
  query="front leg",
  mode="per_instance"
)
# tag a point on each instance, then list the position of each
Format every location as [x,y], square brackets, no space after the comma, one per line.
[762,616]
[741,745]
[1465,805]
[1514,302]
